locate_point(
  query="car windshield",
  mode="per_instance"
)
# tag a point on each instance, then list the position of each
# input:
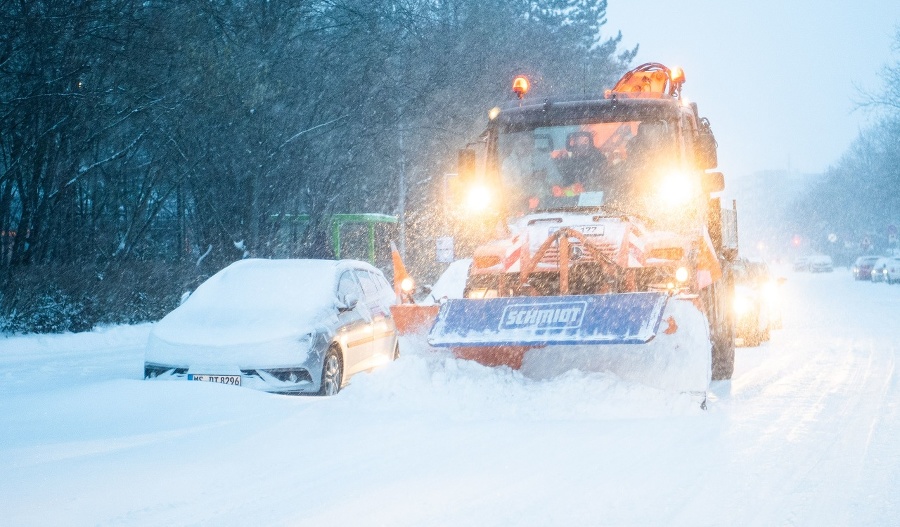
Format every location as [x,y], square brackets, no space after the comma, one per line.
[614,164]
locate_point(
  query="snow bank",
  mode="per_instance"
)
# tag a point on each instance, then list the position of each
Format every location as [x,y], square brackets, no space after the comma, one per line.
[676,362]
[434,382]
[805,434]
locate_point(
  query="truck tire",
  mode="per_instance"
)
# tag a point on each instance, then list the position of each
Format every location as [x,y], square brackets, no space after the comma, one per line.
[717,304]
[722,355]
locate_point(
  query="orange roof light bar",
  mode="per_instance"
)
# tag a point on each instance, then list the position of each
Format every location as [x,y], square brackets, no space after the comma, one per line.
[651,80]
[520,86]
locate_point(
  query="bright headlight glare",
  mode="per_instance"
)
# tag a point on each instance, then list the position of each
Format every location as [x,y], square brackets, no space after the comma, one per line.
[675,189]
[478,198]
[407,284]
[770,291]
[681,274]
[741,305]
[742,301]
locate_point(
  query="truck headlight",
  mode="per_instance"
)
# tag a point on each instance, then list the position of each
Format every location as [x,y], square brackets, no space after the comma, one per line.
[676,189]
[480,294]
[478,198]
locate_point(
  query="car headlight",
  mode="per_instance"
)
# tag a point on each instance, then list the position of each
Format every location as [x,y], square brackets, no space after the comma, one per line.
[770,292]
[289,375]
[743,301]
[153,370]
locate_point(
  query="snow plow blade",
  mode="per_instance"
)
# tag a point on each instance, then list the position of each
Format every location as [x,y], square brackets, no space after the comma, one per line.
[647,338]
[628,318]
[414,319]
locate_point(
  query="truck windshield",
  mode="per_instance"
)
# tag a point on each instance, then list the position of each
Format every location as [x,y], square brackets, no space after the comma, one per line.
[582,165]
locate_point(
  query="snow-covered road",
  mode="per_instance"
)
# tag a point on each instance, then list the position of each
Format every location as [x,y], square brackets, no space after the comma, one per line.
[807,433]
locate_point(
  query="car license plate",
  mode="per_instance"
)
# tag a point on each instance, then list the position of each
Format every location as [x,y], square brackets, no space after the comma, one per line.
[234,380]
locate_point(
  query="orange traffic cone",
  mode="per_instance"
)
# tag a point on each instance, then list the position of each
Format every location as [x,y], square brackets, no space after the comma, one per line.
[399,272]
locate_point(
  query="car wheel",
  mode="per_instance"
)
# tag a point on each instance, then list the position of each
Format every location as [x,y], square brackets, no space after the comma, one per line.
[332,372]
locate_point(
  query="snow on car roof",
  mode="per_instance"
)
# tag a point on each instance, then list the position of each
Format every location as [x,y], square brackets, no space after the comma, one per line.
[255,300]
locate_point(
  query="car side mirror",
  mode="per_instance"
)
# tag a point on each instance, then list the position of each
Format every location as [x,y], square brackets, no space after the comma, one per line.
[349,303]
[705,147]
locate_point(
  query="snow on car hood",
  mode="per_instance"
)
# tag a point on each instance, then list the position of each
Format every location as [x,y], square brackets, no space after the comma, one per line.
[451,283]
[254,301]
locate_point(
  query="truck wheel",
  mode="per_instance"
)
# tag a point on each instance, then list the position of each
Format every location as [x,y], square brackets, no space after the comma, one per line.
[717,301]
[722,355]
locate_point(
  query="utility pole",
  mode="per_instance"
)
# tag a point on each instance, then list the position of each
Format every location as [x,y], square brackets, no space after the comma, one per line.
[401,197]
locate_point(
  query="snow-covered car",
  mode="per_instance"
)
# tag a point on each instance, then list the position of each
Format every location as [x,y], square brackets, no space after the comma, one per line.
[892,270]
[879,269]
[282,326]
[801,263]
[862,267]
[820,263]
[755,301]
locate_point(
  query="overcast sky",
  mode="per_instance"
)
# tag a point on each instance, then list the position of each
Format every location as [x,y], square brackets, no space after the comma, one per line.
[778,79]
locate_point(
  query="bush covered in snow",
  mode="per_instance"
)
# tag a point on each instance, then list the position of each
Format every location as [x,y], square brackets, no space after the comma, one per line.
[59,298]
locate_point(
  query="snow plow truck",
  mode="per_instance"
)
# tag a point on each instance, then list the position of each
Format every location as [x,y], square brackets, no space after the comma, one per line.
[610,251]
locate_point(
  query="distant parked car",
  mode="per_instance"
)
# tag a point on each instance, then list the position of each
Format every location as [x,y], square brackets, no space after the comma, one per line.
[892,271]
[879,269]
[282,326]
[801,263]
[820,263]
[862,267]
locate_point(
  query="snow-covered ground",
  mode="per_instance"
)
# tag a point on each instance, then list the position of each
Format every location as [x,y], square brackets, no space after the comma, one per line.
[807,433]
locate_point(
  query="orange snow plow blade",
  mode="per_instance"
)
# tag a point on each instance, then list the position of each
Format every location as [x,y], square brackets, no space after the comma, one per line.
[413,319]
